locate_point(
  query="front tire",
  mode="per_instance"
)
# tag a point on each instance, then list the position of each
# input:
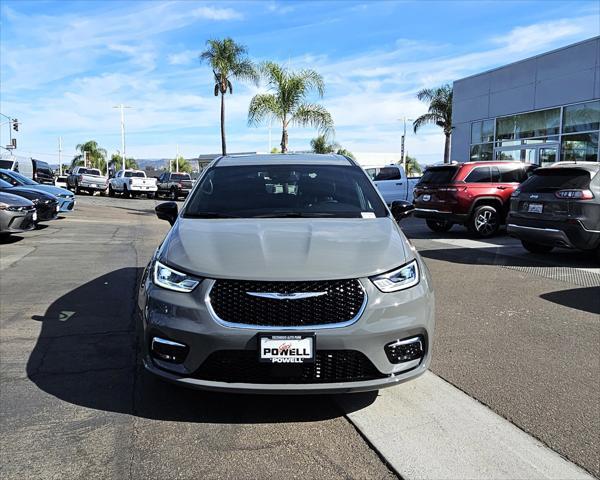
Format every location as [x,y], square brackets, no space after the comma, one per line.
[439,226]
[536,247]
[173,194]
[151,196]
[111,192]
[484,222]
[126,193]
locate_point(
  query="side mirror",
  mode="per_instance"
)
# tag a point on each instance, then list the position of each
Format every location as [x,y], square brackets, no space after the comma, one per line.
[167,211]
[401,209]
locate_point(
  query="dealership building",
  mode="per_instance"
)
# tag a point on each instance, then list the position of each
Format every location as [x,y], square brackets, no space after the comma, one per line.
[539,110]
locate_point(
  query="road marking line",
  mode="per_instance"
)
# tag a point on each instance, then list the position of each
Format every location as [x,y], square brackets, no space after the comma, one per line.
[427,428]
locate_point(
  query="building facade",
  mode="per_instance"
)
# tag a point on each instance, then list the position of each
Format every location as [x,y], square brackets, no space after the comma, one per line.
[539,110]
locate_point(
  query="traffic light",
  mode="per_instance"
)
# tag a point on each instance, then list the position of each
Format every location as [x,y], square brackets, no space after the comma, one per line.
[15,123]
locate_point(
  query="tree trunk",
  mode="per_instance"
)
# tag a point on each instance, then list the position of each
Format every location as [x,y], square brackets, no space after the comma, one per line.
[447,149]
[284,140]
[223,146]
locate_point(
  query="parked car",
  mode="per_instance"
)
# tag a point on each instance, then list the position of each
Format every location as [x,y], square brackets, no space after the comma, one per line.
[269,289]
[46,205]
[66,199]
[17,214]
[90,180]
[392,183]
[473,194]
[36,170]
[558,206]
[174,185]
[131,183]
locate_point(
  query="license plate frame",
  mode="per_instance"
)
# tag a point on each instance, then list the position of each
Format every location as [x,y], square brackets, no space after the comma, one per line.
[296,341]
[535,208]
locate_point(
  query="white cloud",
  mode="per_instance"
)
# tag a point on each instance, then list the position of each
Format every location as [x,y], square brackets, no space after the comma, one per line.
[185,57]
[212,13]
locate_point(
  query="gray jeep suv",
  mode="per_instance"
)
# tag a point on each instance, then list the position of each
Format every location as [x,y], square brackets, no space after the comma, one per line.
[286,273]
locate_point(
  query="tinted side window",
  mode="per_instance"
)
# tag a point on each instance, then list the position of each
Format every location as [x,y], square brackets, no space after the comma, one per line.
[388,173]
[480,175]
[511,174]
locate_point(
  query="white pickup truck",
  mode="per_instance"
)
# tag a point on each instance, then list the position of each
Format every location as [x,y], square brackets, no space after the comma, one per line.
[131,183]
[392,183]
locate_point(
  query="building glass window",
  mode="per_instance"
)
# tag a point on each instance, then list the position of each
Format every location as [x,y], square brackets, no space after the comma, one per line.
[582,117]
[580,147]
[482,152]
[482,132]
[529,125]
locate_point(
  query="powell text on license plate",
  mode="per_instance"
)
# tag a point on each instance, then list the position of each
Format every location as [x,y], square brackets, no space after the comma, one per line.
[287,348]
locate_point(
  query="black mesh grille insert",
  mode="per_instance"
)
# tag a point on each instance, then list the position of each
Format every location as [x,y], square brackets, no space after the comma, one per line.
[242,366]
[231,302]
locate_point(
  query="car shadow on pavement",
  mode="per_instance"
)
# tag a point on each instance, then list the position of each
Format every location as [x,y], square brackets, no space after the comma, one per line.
[494,256]
[8,239]
[585,299]
[87,355]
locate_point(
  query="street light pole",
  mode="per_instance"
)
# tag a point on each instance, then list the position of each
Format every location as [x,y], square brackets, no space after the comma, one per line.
[60,155]
[402,150]
[121,107]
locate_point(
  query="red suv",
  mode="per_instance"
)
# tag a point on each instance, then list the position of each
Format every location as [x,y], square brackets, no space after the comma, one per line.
[474,194]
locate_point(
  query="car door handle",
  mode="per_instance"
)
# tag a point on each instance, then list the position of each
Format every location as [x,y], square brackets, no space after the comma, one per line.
[399,183]
[501,188]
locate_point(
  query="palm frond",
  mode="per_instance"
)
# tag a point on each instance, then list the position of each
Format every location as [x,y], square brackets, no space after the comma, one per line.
[313,115]
[427,118]
[262,107]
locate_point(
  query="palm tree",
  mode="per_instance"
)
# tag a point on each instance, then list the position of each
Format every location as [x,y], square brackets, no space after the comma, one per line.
[116,163]
[181,164]
[228,61]
[439,112]
[287,101]
[321,145]
[413,167]
[96,156]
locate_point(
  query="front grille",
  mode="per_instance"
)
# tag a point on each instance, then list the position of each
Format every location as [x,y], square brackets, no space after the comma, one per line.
[341,303]
[330,366]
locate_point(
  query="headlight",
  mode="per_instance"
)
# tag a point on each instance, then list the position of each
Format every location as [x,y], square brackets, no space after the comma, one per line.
[404,277]
[170,279]
[516,193]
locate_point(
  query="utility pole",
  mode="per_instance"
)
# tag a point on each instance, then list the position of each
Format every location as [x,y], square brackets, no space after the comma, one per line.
[177,159]
[402,151]
[60,155]
[121,107]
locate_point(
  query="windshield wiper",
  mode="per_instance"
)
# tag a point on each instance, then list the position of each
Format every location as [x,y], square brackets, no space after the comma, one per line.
[210,215]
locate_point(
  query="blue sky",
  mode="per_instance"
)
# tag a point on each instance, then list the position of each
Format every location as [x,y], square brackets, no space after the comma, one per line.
[64,65]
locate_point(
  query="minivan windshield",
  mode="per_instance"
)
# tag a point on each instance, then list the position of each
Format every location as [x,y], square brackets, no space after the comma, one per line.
[553,179]
[279,191]
[438,175]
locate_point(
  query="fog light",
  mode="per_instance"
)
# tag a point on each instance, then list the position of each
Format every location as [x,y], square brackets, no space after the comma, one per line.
[168,350]
[407,350]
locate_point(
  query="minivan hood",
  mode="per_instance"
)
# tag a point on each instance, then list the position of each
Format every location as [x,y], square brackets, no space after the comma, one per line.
[285,249]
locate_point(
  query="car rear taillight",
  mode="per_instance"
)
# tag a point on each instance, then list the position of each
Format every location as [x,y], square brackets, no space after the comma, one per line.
[79,177]
[574,194]
[180,185]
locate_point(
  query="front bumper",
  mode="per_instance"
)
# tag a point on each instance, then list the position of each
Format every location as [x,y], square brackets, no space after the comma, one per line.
[556,234]
[187,318]
[47,211]
[66,204]
[441,215]
[17,221]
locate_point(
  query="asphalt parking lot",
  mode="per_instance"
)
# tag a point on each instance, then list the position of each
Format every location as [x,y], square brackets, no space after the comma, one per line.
[520,333]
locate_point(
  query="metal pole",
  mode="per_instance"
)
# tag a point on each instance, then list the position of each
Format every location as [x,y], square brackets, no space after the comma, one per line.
[270,144]
[123,135]
[177,160]
[60,155]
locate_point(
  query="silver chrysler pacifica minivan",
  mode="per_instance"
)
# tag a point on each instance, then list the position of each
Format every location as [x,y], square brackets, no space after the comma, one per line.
[286,273]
